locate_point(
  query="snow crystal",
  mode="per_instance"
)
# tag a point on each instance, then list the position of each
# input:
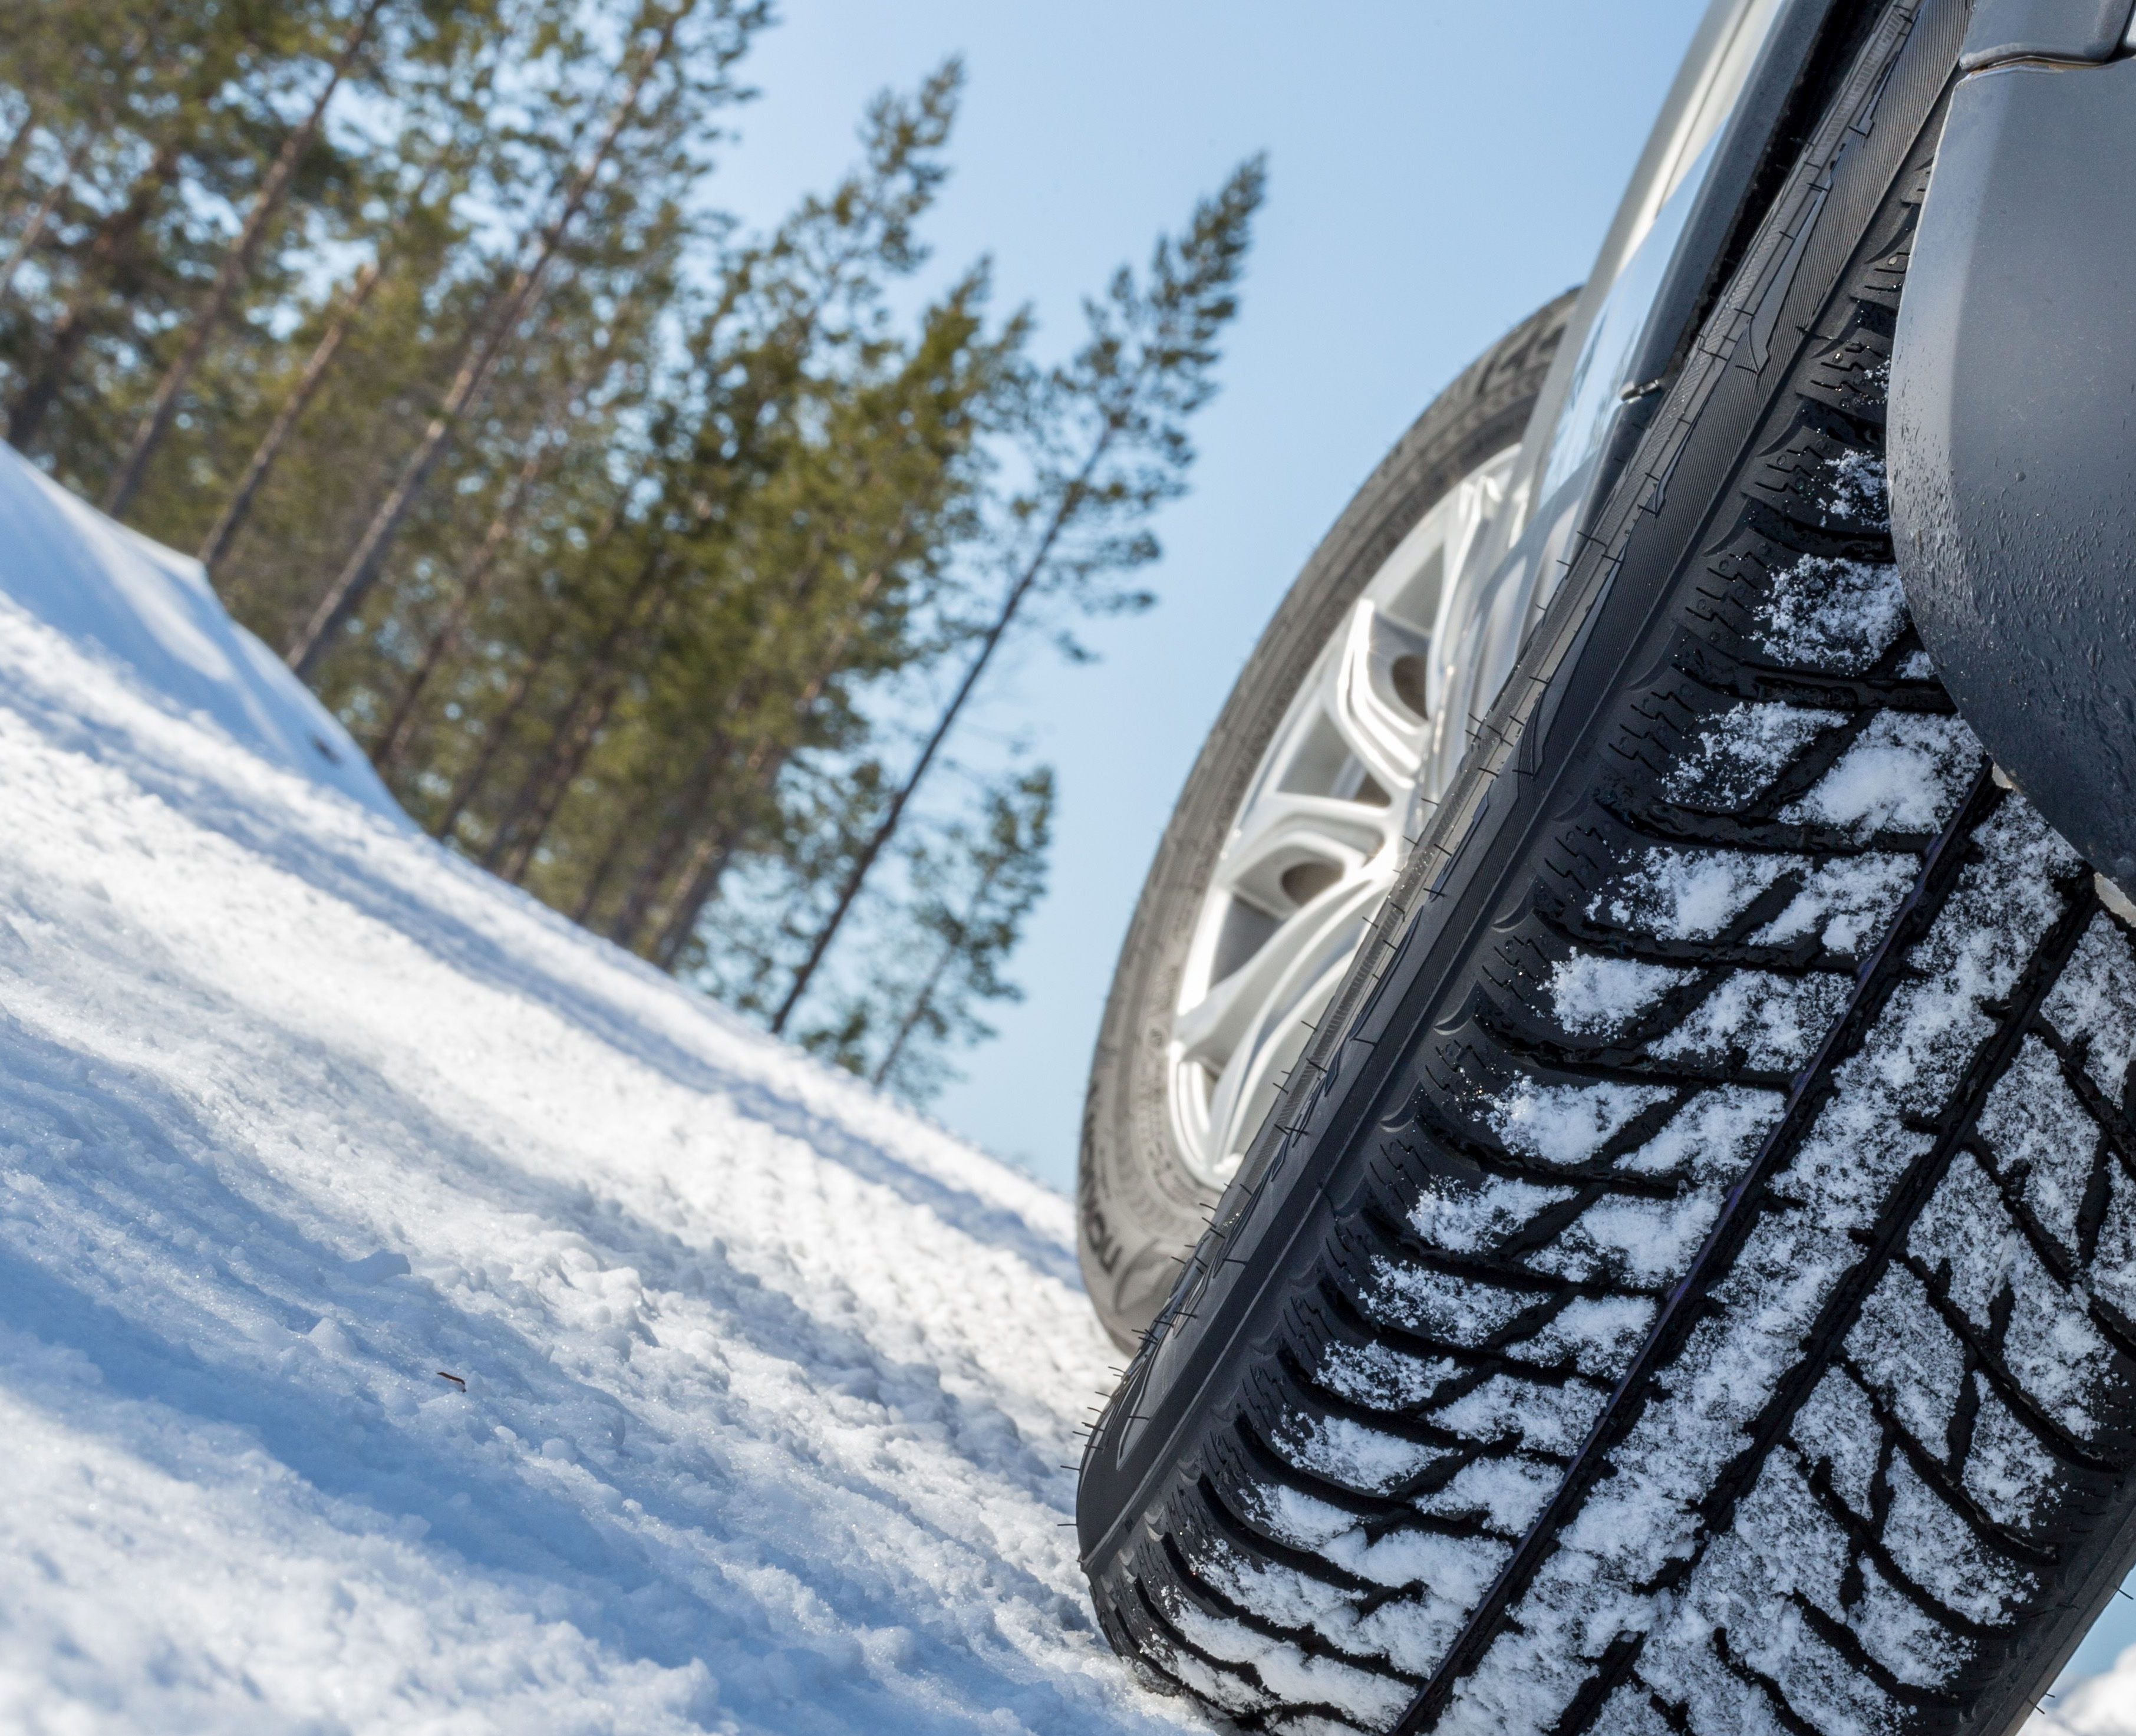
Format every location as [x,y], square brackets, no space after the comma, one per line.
[1846,903]
[1278,1594]
[1506,1409]
[1901,1636]
[1350,1455]
[1965,1225]
[1682,1665]
[1841,1173]
[1909,1357]
[1906,772]
[1630,1712]
[1477,1219]
[2005,902]
[1384,1378]
[1594,993]
[1531,1670]
[2114,1262]
[1233,1693]
[1690,895]
[1860,491]
[1310,1724]
[1835,1427]
[1776,1022]
[2007,1469]
[1454,1571]
[1506,1492]
[1599,1335]
[1412,1633]
[1783,1543]
[1935,1548]
[1648,1241]
[2064,1364]
[1917,666]
[2094,1002]
[1567,1125]
[1288,1671]
[1457,1312]
[1743,751]
[1458,1569]
[1828,615]
[1290,1515]
[1712,1138]
[2050,1341]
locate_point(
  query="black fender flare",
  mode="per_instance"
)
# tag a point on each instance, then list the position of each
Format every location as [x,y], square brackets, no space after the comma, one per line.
[2012,445]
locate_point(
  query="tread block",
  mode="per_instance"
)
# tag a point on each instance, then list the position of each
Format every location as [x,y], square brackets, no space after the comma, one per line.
[1836,1430]
[1909,1358]
[1932,1545]
[2042,1137]
[2094,1006]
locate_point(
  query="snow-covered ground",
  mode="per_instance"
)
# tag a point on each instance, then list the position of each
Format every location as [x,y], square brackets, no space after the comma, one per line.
[769,1386]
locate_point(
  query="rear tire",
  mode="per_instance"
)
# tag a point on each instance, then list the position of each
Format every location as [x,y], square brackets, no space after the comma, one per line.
[1696,1291]
[1141,1206]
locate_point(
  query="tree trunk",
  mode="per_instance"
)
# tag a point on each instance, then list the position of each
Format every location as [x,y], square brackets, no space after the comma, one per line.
[361,570]
[500,727]
[917,1012]
[12,159]
[229,275]
[700,875]
[708,858]
[592,673]
[567,758]
[481,568]
[1072,501]
[26,415]
[707,863]
[33,231]
[618,841]
[239,506]
[925,998]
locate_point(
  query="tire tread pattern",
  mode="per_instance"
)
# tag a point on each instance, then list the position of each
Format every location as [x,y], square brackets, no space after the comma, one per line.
[1737,1330]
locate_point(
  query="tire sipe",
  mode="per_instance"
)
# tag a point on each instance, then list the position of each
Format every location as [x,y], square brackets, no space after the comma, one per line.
[1140,1208]
[1691,1287]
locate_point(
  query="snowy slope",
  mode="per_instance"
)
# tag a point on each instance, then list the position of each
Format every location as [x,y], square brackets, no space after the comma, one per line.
[769,1385]
[151,611]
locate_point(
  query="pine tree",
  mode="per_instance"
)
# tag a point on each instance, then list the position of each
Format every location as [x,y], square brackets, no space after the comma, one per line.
[627,545]
[1107,432]
[653,43]
[973,899]
[235,264]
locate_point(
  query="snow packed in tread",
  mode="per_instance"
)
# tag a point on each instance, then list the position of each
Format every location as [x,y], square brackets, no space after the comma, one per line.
[1934,1284]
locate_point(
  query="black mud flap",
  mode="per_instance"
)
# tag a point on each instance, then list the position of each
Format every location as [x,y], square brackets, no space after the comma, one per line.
[2012,443]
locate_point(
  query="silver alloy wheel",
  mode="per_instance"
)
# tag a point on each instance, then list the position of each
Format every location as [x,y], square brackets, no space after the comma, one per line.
[1221,959]
[1317,842]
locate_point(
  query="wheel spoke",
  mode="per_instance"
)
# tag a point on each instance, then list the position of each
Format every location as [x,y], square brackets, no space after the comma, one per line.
[1318,841]
[1359,696]
[1211,1030]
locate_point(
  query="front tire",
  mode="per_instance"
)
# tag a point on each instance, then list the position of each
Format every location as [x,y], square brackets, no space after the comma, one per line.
[1152,1165]
[1694,1291]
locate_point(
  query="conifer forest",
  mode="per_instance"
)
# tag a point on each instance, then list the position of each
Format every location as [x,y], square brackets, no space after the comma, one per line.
[653,558]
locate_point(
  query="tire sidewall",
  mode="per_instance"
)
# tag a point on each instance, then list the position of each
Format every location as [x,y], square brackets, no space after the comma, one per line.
[1138,1206]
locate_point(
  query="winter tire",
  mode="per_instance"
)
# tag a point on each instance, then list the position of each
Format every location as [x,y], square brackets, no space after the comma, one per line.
[1690,1285]
[1143,1199]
